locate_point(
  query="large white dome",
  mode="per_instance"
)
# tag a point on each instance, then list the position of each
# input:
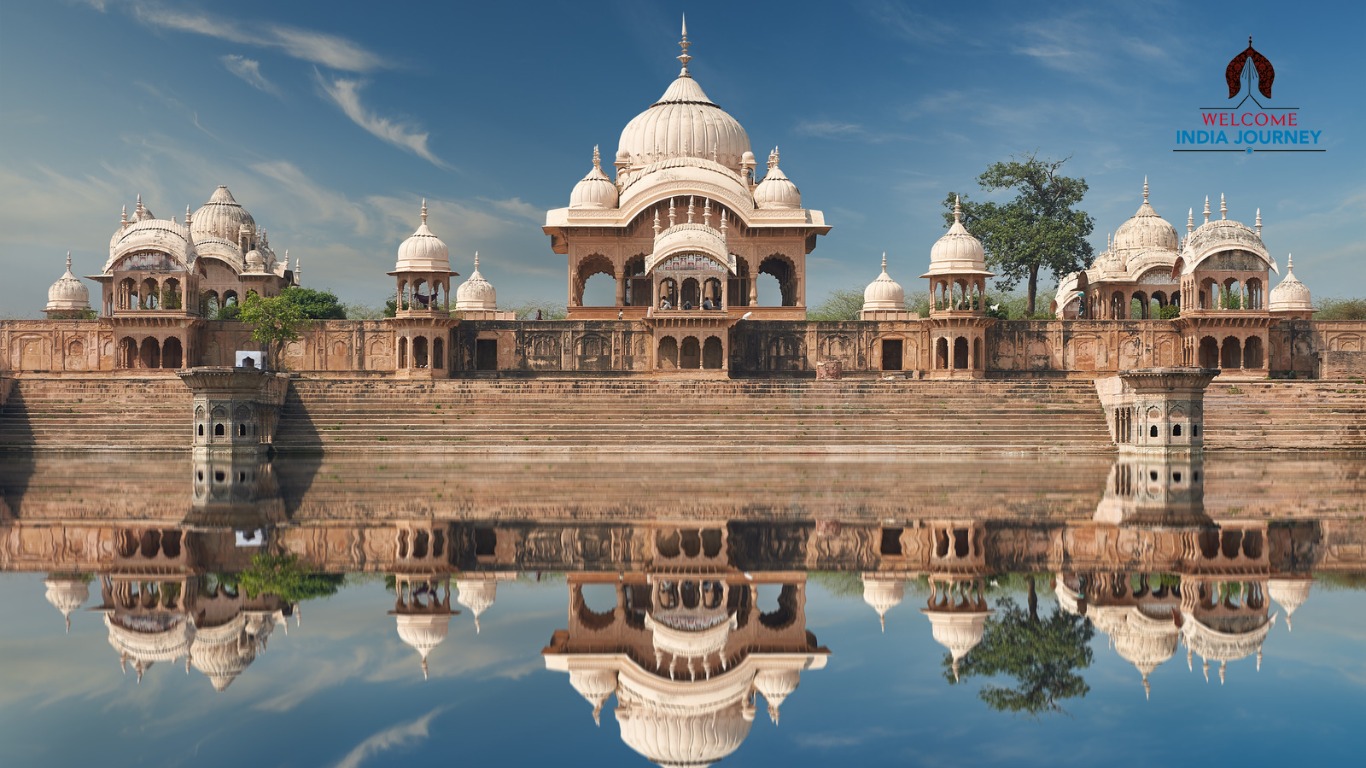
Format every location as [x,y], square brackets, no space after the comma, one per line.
[683,123]
[222,217]
[1145,230]
[423,251]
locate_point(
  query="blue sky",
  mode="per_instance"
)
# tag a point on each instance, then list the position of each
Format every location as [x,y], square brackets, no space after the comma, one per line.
[331,121]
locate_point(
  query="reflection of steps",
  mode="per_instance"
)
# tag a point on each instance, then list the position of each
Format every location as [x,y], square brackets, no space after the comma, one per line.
[690,415]
[98,412]
[1274,414]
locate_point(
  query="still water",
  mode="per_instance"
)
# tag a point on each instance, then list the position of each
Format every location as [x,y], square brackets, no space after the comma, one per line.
[533,610]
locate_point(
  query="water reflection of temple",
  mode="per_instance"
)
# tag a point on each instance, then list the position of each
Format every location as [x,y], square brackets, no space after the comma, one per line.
[685,647]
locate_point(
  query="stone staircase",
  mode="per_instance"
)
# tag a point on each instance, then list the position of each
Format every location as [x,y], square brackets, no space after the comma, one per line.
[1284,414]
[664,416]
[81,413]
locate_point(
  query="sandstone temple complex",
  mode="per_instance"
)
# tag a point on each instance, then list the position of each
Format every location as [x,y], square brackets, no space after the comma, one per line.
[684,222]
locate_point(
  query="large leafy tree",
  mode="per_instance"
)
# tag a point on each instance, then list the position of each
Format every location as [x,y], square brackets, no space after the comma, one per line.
[842,304]
[1037,230]
[1042,654]
[275,322]
[315,305]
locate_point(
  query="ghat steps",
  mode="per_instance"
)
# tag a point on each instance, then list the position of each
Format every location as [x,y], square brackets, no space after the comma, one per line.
[689,416]
[147,413]
[1284,414]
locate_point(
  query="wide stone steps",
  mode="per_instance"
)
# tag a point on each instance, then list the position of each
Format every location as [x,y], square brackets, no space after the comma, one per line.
[1291,415]
[110,413]
[688,416]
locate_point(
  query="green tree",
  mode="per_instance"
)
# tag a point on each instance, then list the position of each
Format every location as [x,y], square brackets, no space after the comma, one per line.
[1341,309]
[275,322]
[547,309]
[918,302]
[282,576]
[842,304]
[1043,655]
[315,305]
[1037,230]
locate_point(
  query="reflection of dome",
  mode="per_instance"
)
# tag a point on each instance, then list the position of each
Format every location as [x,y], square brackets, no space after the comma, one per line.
[595,190]
[776,190]
[146,639]
[476,293]
[959,631]
[222,217]
[1225,638]
[776,685]
[423,251]
[883,293]
[1290,295]
[684,724]
[1146,230]
[66,594]
[476,594]
[1289,593]
[683,123]
[957,252]
[223,652]
[690,637]
[68,294]
[883,594]
[423,632]
[1140,639]
[595,685]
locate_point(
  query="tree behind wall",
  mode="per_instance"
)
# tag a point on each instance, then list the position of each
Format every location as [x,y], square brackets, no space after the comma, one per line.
[1037,230]
[275,322]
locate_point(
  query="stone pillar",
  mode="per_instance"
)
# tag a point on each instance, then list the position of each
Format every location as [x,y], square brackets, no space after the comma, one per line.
[235,409]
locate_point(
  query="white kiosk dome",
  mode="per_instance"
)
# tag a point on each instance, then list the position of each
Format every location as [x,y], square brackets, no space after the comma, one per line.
[1145,230]
[675,737]
[777,190]
[477,594]
[475,293]
[1290,594]
[683,123]
[222,217]
[776,685]
[957,252]
[423,251]
[222,653]
[68,294]
[595,685]
[423,632]
[595,190]
[1289,296]
[883,293]
[67,594]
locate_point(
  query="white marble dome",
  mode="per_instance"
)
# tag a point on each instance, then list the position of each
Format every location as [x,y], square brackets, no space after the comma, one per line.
[777,190]
[222,653]
[255,262]
[423,251]
[883,293]
[1289,593]
[776,685]
[595,685]
[1145,230]
[477,595]
[68,294]
[679,738]
[222,217]
[684,123]
[1290,295]
[66,595]
[594,190]
[957,252]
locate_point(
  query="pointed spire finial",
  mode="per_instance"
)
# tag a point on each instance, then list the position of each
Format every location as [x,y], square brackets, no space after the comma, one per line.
[882,619]
[1289,267]
[425,675]
[884,262]
[68,261]
[597,158]
[684,57]
[1147,689]
[476,269]
[1145,189]
[123,218]
[1190,220]
[1259,222]
[1223,207]
[957,209]
[187,220]
[1206,209]
[424,210]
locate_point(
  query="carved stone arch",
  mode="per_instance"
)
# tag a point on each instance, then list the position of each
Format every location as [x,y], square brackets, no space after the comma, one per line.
[784,270]
[588,266]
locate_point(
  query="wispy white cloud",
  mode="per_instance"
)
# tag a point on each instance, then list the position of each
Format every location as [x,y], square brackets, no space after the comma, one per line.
[321,48]
[839,130]
[250,72]
[519,208]
[393,737]
[345,93]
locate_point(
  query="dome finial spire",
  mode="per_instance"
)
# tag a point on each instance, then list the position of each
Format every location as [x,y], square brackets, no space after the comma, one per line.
[68,261]
[957,209]
[597,158]
[1223,207]
[683,43]
[1259,222]
[476,261]
[1206,209]
[1145,189]
[1190,220]
[884,262]
[424,210]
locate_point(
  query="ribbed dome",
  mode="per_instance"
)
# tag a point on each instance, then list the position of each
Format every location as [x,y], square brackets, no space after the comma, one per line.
[883,293]
[683,739]
[595,190]
[595,685]
[1290,296]
[776,685]
[1290,593]
[957,252]
[68,294]
[66,595]
[1146,230]
[958,632]
[222,653]
[423,251]
[684,123]
[477,594]
[1220,235]
[776,190]
[163,235]
[423,632]
[255,262]
[222,217]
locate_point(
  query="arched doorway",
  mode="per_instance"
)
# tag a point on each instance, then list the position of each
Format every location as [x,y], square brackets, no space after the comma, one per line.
[150,353]
[668,353]
[438,354]
[420,352]
[128,352]
[402,353]
[941,354]
[1252,353]
[712,355]
[1232,354]
[1209,352]
[690,354]
[172,354]
[960,353]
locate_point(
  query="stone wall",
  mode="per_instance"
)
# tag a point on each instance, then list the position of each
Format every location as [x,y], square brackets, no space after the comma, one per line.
[1297,348]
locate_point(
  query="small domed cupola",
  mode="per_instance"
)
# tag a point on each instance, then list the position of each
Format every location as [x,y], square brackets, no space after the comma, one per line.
[68,296]
[957,252]
[423,251]
[1291,295]
[595,190]
[1145,230]
[776,190]
[884,293]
